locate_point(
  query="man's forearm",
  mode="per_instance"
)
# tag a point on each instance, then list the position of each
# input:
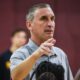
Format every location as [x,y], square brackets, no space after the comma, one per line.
[23,69]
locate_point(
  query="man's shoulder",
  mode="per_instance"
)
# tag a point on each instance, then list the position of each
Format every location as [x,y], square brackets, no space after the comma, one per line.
[21,52]
[22,49]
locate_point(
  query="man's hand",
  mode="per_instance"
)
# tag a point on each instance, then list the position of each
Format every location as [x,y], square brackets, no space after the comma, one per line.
[45,48]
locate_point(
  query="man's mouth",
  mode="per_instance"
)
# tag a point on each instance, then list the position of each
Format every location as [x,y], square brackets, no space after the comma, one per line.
[49,31]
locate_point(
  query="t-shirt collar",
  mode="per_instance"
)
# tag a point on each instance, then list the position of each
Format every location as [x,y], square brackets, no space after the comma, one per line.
[34,46]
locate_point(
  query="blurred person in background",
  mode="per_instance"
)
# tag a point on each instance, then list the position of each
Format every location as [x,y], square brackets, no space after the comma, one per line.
[18,39]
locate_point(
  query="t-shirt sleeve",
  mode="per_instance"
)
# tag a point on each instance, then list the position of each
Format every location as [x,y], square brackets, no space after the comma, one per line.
[16,58]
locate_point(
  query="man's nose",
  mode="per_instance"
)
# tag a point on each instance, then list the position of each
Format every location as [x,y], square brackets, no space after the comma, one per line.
[51,23]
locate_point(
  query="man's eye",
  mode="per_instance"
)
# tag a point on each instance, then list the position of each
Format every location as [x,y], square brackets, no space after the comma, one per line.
[43,18]
[52,18]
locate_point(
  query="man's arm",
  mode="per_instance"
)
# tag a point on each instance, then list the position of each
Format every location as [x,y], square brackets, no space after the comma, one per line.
[23,69]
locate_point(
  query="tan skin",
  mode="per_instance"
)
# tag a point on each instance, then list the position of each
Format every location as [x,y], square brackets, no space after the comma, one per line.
[42,31]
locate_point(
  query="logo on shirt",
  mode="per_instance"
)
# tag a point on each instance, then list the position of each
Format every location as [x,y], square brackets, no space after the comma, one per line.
[7,64]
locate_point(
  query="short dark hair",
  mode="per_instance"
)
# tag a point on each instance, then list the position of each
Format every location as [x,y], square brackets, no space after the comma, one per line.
[17,31]
[30,14]
[47,76]
[46,66]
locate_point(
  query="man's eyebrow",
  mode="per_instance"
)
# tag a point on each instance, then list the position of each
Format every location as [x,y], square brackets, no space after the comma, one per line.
[43,17]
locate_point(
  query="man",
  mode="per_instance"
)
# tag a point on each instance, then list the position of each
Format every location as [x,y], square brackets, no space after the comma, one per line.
[18,39]
[41,23]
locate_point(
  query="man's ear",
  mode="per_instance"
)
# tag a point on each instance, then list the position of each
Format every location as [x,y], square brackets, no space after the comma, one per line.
[28,25]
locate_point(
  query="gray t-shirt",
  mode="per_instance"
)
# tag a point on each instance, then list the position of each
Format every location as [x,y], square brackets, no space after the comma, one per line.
[57,56]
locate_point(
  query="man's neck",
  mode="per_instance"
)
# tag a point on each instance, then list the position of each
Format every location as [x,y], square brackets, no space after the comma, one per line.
[37,41]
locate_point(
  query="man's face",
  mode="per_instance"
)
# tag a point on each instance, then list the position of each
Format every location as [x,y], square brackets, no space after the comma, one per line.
[19,39]
[43,24]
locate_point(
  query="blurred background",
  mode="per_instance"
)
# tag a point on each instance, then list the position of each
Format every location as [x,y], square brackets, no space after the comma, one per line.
[67,33]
